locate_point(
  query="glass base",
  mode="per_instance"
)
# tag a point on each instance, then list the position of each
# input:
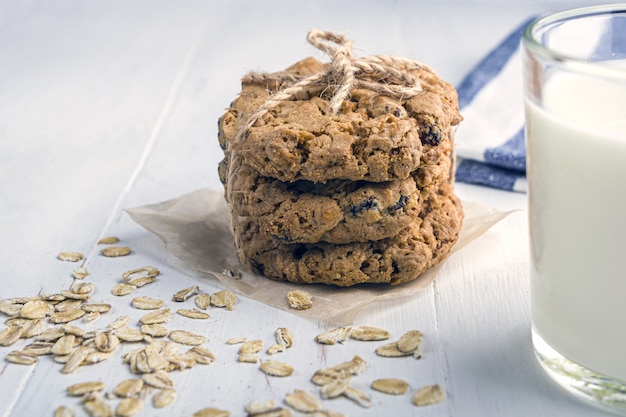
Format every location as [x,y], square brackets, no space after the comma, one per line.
[597,389]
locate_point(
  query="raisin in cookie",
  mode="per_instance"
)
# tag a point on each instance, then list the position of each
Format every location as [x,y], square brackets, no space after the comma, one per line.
[374,137]
[338,211]
[394,260]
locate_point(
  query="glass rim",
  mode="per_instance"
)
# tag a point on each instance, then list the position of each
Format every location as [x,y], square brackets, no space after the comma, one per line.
[532,44]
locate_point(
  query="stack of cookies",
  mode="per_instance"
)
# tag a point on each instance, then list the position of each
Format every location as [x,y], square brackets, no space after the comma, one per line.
[361,195]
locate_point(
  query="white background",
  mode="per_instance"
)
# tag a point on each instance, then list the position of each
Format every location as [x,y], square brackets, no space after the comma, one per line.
[106,105]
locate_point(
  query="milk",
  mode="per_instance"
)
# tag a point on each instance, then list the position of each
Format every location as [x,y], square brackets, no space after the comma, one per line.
[577,153]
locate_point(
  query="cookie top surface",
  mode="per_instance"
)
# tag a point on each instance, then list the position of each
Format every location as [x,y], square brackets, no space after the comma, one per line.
[373,137]
[401,258]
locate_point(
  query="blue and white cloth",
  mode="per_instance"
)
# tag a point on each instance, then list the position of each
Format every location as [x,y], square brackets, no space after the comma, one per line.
[489,142]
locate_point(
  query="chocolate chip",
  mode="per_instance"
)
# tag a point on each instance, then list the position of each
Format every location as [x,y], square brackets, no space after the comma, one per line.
[368,204]
[401,203]
[431,136]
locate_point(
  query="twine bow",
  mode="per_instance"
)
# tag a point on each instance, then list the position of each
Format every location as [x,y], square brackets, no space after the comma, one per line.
[386,75]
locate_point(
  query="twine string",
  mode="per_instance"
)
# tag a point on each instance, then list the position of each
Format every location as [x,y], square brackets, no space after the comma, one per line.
[386,75]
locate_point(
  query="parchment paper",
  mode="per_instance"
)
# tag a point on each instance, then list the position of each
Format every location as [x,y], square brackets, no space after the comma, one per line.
[195,229]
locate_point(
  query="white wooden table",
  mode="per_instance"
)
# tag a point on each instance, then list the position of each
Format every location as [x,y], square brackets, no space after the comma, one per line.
[108,105]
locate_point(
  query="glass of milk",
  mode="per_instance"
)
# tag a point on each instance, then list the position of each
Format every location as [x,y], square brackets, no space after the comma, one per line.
[575,94]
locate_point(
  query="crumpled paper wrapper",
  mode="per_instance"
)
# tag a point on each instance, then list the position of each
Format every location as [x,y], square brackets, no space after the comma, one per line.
[195,229]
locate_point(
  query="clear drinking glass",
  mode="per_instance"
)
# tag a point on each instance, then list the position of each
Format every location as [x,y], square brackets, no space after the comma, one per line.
[575,93]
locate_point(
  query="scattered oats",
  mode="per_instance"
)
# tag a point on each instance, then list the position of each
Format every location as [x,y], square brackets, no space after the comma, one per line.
[185,337]
[193,314]
[80,273]
[203,301]
[410,341]
[75,296]
[127,334]
[83,388]
[97,407]
[153,359]
[96,307]
[299,300]
[83,288]
[129,407]
[109,240]
[61,359]
[53,298]
[33,328]
[115,251]
[68,304]
[283,337]
[303,401]
[154,330]
[391,351]
[89,317]
[95,356]
[159,316]
[236,340]
[123,289]
[430,394]
[251,346]
[70,256]
[185,293]
[248,358]
[277,348]
[50,335]
[337,335]
[64,346]
[357,396]
[160,380]
[326,376]
[90,338]
[232,273]
[35,310]
[201,355]
[224,298]
[140,282]
[163,398]
[143,272]
[9,308]
[106,342]
[119,322]
[21,357]
[17,321]
[70,329]
[10,335]
[63,411]
[74,359]
[369,333]
[354,366]
[146,303]
[275,368]
[39,348]
[211,412]
[180,362]
[391,386]
[257,407]
[335,388]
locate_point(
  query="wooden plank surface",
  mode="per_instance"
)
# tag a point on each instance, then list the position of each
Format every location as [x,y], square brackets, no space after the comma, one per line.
[109,105]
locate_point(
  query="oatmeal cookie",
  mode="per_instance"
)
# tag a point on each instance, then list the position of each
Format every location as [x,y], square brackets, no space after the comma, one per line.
[374,137]
[338,211]
[394,260]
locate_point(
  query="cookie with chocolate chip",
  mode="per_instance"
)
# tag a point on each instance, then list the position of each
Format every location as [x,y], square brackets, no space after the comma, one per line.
[373,137]
[338,211]
[394,260]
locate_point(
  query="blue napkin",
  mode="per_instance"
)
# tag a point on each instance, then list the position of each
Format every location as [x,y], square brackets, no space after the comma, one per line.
[489,142]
